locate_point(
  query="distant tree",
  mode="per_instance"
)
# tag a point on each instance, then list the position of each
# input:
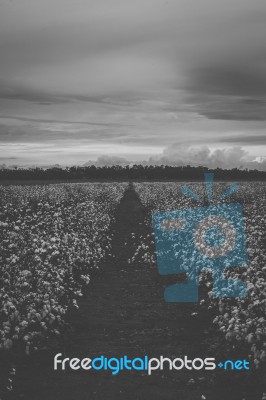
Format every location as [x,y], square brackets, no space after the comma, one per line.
[135,172]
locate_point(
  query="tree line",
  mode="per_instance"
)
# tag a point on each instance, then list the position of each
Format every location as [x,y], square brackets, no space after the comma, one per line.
[135,172]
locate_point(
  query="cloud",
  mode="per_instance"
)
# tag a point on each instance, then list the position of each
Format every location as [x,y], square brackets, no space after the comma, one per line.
[17,91]
[227,94]
[147,72]
[246,140]
[54,121]
[232,81]
[231,157]
[106,160]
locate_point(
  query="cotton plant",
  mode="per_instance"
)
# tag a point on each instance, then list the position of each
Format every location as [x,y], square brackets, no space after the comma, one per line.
[52,237]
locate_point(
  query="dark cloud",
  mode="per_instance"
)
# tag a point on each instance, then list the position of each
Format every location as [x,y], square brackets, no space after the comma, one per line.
[227,94]
[55,121]
[250,139]
[228,108]
[228,82]
[40,96]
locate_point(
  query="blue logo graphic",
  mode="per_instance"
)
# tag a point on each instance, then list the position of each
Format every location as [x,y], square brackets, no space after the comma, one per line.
[193,239]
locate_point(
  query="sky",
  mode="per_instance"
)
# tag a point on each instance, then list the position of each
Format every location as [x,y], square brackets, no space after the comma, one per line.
[172,81]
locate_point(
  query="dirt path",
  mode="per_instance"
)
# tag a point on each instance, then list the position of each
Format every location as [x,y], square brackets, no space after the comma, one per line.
[123,313]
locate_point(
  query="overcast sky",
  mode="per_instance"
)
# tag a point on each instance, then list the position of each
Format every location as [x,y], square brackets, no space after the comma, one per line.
[145,79]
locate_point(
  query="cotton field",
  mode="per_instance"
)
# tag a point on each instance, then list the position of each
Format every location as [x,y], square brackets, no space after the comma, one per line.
[52,237]
[241,320]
